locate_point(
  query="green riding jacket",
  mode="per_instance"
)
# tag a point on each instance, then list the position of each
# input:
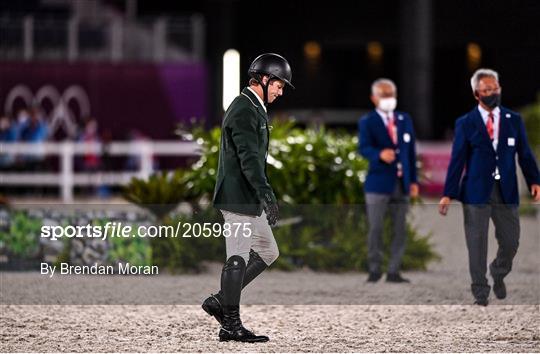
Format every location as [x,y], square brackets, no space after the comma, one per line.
[242,184]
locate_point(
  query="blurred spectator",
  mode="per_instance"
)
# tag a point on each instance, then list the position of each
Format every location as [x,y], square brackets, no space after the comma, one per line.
[33,130]
[90,161]
[21,121]
[8,134]
[133,163]
[106,161]
[8,131]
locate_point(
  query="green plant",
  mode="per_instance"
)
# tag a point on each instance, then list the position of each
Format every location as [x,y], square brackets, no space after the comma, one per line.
[160,193]
[304,166]
[318,177]
[134,250]
[528,209]
[22,237]
[531,117]
[186,253]
[63,257]
[333,237]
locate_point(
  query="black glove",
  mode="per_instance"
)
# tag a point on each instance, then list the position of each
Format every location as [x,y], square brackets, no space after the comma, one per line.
[272,213]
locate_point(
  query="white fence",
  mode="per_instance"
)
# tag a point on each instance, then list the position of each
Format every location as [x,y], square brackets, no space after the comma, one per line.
[67,179]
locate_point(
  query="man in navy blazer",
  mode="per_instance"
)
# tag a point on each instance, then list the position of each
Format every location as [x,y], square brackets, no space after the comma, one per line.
[387,140]
[486,142]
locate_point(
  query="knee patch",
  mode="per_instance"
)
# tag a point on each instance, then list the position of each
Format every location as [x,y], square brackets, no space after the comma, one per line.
[235,262]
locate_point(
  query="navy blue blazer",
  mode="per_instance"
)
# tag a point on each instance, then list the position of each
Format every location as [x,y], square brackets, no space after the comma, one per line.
[472,149]
[373,137]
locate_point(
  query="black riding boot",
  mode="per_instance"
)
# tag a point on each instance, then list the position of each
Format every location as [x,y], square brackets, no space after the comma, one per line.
[232,278]
[213,304]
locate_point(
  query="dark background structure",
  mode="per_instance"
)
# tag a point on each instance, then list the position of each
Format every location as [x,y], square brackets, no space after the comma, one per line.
[424,43]
[430,48]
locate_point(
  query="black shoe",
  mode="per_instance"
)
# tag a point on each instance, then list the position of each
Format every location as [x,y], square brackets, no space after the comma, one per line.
[240,334]
[212,306]
[396,278]
[233,329]
[374,277]
[499,288]
[481,302]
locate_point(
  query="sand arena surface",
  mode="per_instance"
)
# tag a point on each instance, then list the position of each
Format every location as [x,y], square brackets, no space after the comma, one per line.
[301,311]
[298,328]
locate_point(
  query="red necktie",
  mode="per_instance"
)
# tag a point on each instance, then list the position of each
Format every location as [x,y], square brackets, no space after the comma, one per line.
[392,129]
[489,125]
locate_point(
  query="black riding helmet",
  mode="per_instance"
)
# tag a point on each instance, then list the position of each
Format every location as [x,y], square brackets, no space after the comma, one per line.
[273,65]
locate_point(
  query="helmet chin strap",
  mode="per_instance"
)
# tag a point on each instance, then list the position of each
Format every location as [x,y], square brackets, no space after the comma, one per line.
[265,94]
[265,89]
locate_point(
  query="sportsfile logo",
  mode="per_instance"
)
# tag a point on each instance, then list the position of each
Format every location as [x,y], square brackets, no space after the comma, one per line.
[119,229]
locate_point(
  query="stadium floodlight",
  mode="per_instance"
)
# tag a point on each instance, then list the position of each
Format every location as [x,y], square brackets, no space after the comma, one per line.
[231,76]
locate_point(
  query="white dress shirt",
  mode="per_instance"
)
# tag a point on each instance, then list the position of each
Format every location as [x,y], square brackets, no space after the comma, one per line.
[385,116]
[258,97]
[496,119]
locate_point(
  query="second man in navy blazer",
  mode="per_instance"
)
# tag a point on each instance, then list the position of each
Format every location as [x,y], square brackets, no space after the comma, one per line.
[486,143]
[387,140]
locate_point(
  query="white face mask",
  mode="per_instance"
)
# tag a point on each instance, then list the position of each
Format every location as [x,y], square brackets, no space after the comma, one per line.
[387,104]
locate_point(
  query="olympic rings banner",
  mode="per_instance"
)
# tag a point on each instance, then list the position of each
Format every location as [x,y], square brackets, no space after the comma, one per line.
[150,98]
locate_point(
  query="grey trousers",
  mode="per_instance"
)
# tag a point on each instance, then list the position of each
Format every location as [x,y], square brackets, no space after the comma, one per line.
[250,232]
[377,205]
[506,220]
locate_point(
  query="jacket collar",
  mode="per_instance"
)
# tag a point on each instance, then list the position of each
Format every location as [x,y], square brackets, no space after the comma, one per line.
[484,113]
[503,126]
[479,123]
[257,97]
[254,101]
[398,120]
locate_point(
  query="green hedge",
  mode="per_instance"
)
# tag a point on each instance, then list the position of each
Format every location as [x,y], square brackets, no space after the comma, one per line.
[317,176]
[21,238]
[531,116]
